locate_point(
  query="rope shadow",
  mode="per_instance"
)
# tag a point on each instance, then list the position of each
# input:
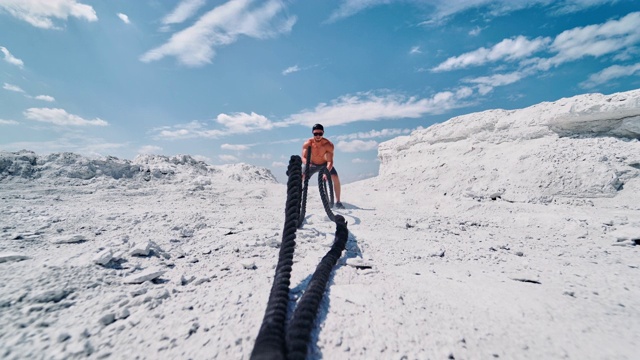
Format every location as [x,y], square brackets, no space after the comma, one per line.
[352,250]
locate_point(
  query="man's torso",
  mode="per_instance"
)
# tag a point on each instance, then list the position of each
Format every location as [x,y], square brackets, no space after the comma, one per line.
[319,149]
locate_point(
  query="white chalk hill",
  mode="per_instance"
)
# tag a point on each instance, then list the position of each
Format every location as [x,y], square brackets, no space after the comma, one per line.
[585,146]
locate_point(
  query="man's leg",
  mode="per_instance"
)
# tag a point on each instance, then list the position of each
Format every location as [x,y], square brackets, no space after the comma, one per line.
[336,186]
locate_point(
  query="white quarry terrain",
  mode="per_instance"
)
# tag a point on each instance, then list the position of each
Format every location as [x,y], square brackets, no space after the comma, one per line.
[506,234]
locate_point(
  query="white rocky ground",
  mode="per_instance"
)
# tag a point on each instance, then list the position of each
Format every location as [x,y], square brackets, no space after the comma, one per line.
[502,234]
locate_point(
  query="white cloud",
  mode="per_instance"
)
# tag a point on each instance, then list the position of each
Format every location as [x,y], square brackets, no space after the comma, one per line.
[45,98]
[593,40]
[615,38]
[8,122]
[234,147]
[279,164]
[441,10]
[236,123]
[383,133]
[498,79]
[485,84]
[14,88]
[40,13]
[228,158]
[241,123]
[359,161]
[610,73]
[356,145]
[195,45]
[124,18]
[60,117]
[352,7]
[508,49]
[262,156]
[475,31]
[149,149]
[415,50]
[202,158]
[184,10]
[10,58]
[290,70]
[194,129]
[369,107]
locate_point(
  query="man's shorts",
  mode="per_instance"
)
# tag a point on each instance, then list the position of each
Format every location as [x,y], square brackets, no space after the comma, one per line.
[315,168]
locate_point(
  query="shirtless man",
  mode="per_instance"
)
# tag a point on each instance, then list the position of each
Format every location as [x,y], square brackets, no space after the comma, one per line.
[321,154]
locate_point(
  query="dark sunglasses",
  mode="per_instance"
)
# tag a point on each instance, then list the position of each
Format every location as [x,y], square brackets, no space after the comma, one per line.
[318,134]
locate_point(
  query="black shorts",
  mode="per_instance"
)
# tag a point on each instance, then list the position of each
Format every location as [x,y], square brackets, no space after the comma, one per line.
[315,168]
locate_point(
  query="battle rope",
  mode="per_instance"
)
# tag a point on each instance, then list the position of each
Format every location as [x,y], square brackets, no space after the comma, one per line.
[303,207]
[322,187]
[299,331]
[323,195]
[270,342]
[329,184]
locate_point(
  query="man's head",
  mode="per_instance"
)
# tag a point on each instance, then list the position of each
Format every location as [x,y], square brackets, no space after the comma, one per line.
[318,131]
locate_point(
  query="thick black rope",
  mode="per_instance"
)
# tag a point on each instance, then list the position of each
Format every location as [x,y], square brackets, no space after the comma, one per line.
[304,316]
[270,342]
[329,184]
[303,207]
[323,196]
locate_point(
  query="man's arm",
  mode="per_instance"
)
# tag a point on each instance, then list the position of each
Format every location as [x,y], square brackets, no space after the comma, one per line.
[329,157]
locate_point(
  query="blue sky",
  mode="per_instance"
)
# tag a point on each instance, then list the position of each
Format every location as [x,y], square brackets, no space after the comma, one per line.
[243,81]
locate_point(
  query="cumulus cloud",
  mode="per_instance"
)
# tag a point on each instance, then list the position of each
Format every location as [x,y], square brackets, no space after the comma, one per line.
[45,98]
[8,122]
[149,149]
[41,13]
[508,49]
[195,45]
[359,161]
[124,18]
[242,123]
[290,70]
[610,73]
[14,88]
[8,57]
[184,10]
[60,117]
[236,123]
[593,40]
[356,145]
[228,158]
[371,107]
[279,164]
[234,147]
[611,38]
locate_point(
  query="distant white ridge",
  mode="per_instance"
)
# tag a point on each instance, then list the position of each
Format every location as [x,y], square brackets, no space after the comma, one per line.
[70,167]
[584,146]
